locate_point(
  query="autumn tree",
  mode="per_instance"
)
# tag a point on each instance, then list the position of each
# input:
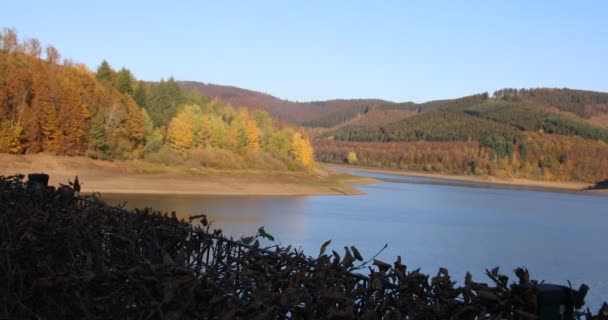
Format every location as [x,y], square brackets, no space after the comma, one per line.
[180,131]
[135,124]
[217,127]
[179,134]
[32,47]
[235,139]
[253,135]
[9,39]
[49,124]
[351,157]
[262,118]
[279,144]
[52,55]
[301,150]
[11,138]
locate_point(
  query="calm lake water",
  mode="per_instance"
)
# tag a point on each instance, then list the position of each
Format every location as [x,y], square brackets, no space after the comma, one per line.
[430,223]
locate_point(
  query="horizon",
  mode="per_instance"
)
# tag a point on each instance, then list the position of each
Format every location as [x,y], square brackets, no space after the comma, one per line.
[490,93]
[316,52]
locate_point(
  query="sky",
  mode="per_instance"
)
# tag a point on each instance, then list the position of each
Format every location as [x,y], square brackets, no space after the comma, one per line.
[318,50]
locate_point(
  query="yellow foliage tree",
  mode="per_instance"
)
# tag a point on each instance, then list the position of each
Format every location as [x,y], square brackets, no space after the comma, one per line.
[253,135]
[135,124]
[50,128]
[301,150]
[351,157]
[11,138]
[179,132]
[236,137]
[242,115]
[206,131]
[218,132]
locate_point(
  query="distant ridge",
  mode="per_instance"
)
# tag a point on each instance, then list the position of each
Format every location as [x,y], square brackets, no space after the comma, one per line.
[580,105]
[294,112]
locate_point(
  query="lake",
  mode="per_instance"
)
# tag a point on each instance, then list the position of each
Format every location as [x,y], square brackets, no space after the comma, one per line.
[430,223]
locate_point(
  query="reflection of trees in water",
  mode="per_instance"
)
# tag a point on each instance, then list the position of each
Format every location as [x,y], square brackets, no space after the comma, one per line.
[284,217]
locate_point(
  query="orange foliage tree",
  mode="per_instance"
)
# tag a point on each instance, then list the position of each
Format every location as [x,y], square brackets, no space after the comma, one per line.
[302,150]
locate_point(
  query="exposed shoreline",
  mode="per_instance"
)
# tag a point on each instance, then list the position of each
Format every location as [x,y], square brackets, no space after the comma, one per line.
[143,178]
[556,185]
[138,177]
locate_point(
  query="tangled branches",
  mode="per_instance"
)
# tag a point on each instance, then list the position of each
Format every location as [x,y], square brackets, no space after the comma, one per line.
[67,257]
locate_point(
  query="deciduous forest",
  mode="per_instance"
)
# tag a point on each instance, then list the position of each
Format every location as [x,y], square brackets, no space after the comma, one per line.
[61,107]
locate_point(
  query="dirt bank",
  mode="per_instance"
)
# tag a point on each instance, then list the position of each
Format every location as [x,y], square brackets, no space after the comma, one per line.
[145,178]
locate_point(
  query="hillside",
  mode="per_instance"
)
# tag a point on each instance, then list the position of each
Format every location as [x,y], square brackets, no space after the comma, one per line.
[544,133]
[550,134]
[586,106]
[63,108]
[316,113]
[568,112]
[60,107]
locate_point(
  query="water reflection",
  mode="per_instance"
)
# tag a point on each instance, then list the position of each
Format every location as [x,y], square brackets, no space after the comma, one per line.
[284,217]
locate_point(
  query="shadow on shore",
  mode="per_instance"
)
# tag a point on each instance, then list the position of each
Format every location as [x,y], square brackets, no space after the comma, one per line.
[602,185]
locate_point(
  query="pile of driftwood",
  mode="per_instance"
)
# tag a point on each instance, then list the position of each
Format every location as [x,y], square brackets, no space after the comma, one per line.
[63,256]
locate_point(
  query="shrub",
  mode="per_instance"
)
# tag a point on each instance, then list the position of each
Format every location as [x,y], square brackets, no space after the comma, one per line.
[165,156]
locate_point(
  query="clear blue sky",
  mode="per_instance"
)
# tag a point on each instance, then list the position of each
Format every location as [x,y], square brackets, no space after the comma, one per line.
[314,50]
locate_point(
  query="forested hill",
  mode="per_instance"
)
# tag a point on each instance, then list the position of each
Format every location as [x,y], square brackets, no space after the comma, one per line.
[552,134]
[543,133]
[480,117]
[57,106]
[315,113]
[592,107]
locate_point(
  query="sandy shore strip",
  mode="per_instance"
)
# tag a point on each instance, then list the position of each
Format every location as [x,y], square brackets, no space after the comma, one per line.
[569,186]
[142,178]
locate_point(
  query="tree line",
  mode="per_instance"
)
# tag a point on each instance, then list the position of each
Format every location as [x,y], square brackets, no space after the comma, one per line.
[534,156]
[584,104]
